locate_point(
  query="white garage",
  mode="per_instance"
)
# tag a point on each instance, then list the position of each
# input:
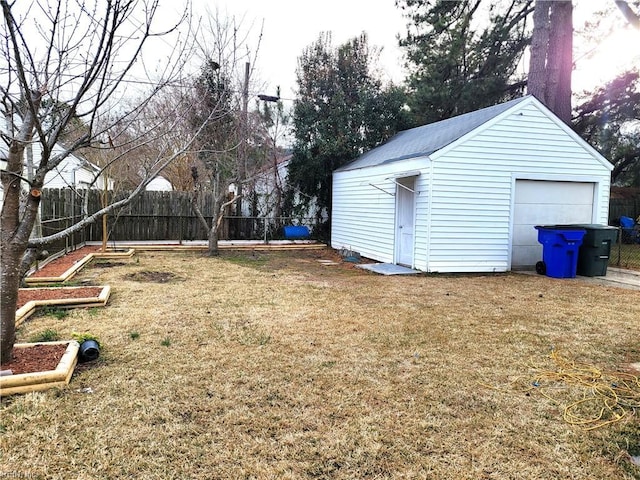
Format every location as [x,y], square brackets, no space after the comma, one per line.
[464,194]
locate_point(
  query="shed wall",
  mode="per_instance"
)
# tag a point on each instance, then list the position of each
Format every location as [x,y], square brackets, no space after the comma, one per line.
[473,187]
[364,203]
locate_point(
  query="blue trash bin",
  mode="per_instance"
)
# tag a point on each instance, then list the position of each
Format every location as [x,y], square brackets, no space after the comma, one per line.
[629,232]
[296,232]
[559,250]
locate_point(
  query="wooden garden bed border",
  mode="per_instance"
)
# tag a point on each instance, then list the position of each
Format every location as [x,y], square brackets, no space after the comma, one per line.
[229,246]
[38,381]
[28,308]
[76,267]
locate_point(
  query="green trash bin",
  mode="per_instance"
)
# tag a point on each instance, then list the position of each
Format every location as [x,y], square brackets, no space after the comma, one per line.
[594,253]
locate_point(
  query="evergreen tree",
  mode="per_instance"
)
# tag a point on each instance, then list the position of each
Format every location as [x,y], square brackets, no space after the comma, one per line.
[608,119]
[341,111]
[456,67]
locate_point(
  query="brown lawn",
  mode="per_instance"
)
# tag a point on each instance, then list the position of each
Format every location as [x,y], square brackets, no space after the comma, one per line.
[273,366]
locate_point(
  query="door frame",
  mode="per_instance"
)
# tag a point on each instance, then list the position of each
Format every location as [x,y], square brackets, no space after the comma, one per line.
[406,185]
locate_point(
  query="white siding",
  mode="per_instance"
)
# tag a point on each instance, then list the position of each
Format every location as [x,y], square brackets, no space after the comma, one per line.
[473,185]
[71,172]
[82,175]
[465,202]
[364,202]
[65,175]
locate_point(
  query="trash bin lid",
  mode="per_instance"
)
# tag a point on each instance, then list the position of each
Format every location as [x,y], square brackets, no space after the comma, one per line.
[561,227]
[627,222]
[589,226]
[547,232]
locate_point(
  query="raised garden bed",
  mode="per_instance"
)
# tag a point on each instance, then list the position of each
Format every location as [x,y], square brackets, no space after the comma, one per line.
[229,245]
[60,268]
[29,299]
[39,366]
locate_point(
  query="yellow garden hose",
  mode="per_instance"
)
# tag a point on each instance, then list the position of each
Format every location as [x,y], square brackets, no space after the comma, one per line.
[605,397]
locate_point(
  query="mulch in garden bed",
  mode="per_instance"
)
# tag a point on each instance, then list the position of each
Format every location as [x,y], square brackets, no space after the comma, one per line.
[57,267]
[37,358]
[28,294]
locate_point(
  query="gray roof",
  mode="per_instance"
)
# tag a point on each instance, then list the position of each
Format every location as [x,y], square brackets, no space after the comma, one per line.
[423,141]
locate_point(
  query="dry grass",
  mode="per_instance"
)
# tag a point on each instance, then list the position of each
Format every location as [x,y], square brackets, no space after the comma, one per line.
[273,366]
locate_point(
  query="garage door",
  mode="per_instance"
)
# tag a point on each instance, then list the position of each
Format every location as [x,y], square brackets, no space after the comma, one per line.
[546,203]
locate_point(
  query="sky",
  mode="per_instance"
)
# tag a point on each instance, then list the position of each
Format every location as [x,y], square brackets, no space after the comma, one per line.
[291,25]
[617,46]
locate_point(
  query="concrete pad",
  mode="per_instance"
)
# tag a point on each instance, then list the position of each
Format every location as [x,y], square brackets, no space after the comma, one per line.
[388,269]
[615,277]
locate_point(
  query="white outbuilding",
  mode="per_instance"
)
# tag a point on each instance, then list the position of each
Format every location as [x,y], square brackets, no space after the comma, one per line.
[464,194]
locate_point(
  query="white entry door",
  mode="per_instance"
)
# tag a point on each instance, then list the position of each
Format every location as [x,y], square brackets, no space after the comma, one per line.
[405,217]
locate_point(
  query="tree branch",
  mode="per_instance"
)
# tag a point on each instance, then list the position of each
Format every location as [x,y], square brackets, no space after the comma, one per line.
[631,16]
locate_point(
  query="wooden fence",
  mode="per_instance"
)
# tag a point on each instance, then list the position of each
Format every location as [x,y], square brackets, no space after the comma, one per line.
[628,207]
[151,216]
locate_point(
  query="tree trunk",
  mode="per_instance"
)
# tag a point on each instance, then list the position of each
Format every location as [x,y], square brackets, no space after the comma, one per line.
[218,209]
[632,17]
[551,59]
[213,231]
[9,285]
[16,228]
[213,240]
[539,46]
[13,246]
[560,60]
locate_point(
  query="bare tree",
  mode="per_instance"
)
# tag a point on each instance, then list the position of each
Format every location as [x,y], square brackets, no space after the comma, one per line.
[131,146]
[222,88]
[66,66]
[273,122]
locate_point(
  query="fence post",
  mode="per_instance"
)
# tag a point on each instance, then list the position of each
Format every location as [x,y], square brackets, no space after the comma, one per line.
[264,224]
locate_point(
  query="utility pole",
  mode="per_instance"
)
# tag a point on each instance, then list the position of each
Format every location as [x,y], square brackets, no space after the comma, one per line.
[276,177]
[242,147]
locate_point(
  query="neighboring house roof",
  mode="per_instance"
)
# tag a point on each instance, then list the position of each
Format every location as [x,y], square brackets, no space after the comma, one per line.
[159,184]
[86,163]
[281,162]
[427,139]
[63,174]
